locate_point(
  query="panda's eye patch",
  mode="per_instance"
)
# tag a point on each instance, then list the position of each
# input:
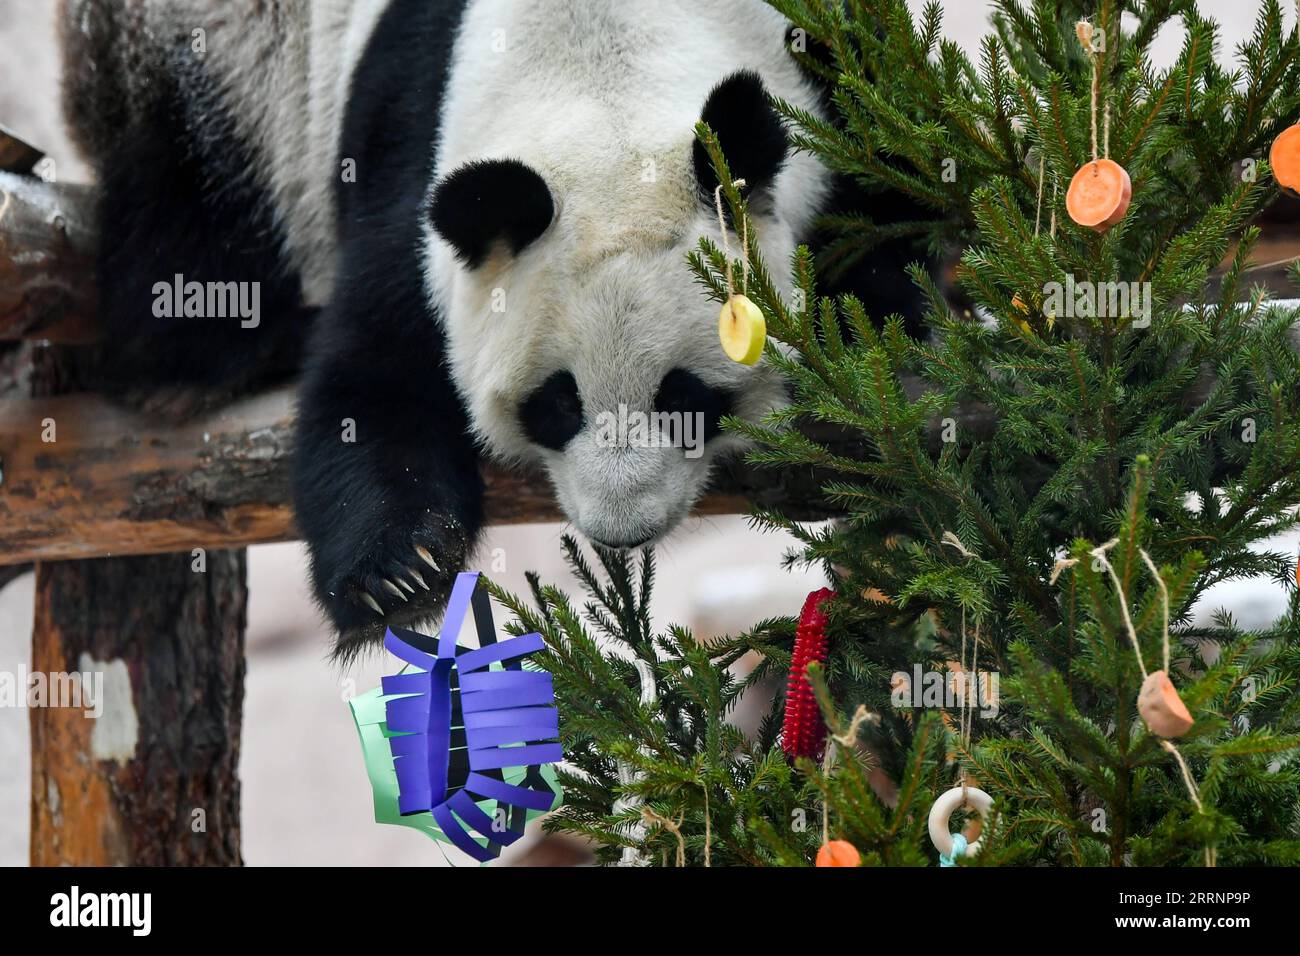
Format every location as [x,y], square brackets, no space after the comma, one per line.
[552,415]
[684,392]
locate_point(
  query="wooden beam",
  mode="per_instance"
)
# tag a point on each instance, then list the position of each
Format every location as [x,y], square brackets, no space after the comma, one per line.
[83,478]
[47,261]
[16,154]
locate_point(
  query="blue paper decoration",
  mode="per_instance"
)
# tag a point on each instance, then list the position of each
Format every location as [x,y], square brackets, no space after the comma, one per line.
[467,727]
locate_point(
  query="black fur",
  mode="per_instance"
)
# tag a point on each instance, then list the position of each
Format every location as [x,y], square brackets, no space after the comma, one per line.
[751,134]
[490,201]
[410,481]
[685,392]
[178,197]
[879,277]
[552,415]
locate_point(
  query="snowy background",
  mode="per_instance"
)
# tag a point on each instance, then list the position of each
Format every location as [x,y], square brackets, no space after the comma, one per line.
[305,796]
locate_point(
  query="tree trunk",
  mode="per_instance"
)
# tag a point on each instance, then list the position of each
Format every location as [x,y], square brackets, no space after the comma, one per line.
[153,779]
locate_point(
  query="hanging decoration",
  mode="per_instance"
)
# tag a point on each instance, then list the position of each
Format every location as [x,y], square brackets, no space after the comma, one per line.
[1284,159]
[804,732]
[838,853]
[458,730]
[1100,192]
[952,846]
[741,326]
[1162,710]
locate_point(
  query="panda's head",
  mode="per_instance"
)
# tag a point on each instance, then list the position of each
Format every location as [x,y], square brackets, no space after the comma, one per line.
[577,335]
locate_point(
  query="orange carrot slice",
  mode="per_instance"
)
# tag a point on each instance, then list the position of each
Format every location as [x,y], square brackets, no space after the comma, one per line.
[1099,195]
[1284,157]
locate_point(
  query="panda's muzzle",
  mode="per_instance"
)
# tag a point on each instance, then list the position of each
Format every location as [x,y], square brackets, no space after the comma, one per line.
[623,545]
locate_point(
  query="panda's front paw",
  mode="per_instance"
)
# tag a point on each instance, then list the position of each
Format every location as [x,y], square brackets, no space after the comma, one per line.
[401,577]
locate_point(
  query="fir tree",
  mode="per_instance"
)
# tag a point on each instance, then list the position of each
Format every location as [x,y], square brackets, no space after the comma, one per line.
[972,465]
[655,767]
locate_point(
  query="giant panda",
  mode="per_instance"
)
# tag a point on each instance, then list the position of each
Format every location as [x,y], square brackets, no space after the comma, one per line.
[467,221]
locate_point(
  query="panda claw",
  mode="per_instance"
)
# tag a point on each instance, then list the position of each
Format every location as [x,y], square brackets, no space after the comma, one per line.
[427,558]
[417,578]
[393,589]
[372,603]
[402,583]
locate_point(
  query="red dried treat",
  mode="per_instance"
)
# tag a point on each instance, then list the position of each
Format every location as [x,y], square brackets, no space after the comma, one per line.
[804,731]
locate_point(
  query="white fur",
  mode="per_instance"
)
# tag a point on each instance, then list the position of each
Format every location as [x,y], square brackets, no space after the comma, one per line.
[285,68]
[593,94]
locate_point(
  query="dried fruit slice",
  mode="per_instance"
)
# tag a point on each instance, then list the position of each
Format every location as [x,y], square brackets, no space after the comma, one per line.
[838,853]
[1161,708]
[742,330]
[1099,194]
[1284,157]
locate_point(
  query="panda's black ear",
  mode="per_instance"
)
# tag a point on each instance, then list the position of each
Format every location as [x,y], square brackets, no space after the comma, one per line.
[751,134]
[490,201]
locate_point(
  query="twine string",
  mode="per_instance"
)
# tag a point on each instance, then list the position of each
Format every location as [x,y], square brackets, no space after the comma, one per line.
[708,830]
[974,687]
[1100,554]
[1056,188]
[828,761]
[962,718]
[1105,140]
[673,827]
[1096,89]
[966,717]
[1038,213]
[1085,32]
[1211,853]
[849,738]
[1164,602]
[726,244]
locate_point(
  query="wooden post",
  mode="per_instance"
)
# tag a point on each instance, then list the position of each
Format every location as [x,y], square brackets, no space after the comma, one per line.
[153,779]
[142,771]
